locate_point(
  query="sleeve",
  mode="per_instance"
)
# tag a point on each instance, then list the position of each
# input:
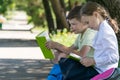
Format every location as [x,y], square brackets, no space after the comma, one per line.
[76,41]
[90,35]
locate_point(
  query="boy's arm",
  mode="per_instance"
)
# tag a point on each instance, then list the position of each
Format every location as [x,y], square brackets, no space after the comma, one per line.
[67,50]
[83,51]
[59,47]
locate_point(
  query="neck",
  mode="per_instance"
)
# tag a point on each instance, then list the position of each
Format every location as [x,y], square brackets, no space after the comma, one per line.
[100,21]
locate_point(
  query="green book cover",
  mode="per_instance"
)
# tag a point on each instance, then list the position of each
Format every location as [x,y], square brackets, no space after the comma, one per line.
[74,57]
[41,39]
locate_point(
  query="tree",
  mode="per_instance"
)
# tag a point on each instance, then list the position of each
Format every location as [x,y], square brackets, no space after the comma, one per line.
[60,14]
[49,17]
[4,4]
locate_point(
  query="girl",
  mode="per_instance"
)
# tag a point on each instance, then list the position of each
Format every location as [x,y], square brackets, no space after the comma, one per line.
[106,54]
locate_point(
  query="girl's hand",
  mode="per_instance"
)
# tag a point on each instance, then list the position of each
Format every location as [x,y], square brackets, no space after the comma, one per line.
[87,61]
[51,44]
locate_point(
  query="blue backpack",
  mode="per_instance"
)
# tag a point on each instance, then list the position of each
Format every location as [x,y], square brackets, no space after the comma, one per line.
[55,73]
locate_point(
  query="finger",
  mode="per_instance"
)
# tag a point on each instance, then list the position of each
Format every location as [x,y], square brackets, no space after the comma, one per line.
[81,61]
[47,46]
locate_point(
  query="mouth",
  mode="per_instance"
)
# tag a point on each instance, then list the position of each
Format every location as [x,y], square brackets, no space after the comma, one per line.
[71,30]
[90,27]
[93,28]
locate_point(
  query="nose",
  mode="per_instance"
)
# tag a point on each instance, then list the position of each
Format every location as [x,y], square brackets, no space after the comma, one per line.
[70,27]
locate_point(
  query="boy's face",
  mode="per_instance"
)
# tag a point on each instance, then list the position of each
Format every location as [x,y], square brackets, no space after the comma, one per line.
[76,26]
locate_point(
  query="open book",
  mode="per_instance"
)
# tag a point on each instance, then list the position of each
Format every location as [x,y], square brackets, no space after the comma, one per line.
[41,39]
[74,57]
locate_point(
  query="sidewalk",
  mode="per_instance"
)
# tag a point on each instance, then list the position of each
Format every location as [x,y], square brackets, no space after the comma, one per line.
[19,44]
[24,69]
[20,56]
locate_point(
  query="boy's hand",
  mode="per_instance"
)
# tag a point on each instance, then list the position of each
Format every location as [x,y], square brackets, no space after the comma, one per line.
[87,61]
[50,44]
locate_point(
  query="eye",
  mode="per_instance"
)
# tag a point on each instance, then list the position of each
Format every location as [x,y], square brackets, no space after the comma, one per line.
[86,22]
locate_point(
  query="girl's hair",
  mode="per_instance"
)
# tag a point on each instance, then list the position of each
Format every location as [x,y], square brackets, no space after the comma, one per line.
[91,7]
[74,13]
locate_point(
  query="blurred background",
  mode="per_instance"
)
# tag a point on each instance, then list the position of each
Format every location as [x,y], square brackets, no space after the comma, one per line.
[22,20]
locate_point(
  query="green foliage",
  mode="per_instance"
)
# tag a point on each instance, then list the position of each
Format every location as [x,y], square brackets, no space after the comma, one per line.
[4,5]
[119,64]
[35,10]
[79,1]
[38,29]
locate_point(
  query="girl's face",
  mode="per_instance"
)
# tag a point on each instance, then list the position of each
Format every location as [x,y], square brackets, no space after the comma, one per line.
[92,21]
[76,26]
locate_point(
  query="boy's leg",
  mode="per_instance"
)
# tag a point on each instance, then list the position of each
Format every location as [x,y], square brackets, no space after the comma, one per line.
[55,73]
[58,55]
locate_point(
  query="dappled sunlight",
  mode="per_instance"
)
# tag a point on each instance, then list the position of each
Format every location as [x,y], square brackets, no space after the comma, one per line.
[20,69]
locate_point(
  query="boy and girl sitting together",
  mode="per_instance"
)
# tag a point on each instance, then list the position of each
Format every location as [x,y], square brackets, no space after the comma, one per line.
[96,44]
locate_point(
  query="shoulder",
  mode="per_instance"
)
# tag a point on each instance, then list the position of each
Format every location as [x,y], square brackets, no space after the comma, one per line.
[105,28]
[90,31]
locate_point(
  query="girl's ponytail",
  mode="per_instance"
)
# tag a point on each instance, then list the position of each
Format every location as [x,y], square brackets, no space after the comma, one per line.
[113,24]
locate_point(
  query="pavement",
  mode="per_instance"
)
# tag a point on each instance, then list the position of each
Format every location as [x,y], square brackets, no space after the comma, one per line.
[24,69]
[20,56]
[19,45]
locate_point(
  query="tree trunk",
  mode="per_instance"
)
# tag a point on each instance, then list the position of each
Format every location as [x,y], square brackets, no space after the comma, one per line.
[49,17]
[70,4]
[60,15]
[62,3]
[113,7]
[59,23]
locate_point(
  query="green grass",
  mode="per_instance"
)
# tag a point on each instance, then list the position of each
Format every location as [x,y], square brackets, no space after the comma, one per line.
[65,38]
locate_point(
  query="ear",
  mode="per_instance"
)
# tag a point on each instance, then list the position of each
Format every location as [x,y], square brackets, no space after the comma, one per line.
[95,14]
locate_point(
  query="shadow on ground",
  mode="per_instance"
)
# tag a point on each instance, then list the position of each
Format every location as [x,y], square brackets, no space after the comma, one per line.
[16,69]
[17,43]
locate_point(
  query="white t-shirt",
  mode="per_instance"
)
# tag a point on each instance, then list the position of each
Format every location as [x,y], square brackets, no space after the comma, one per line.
[106,48]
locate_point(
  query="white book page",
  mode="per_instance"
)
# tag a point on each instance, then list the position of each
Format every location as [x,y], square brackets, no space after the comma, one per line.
[45,34]
[75,55]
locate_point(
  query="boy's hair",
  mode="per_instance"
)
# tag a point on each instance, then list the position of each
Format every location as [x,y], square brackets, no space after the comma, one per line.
[74,13]
[91,7]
